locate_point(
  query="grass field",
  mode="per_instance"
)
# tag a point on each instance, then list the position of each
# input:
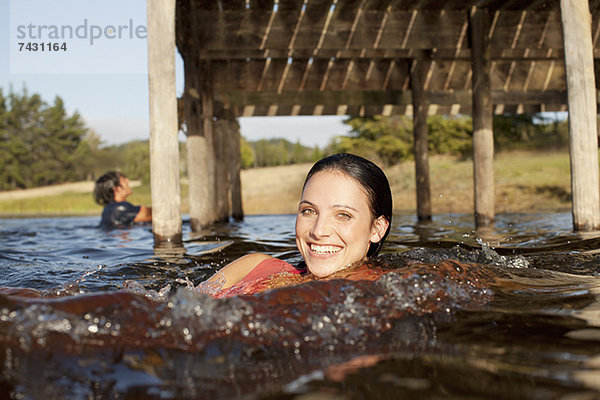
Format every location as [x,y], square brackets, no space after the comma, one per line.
[524,182]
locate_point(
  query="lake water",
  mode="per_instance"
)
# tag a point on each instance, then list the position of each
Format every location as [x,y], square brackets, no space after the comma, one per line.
[506,312]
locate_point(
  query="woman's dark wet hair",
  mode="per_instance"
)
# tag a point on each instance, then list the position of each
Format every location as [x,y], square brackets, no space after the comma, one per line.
[104,191]
[370,177]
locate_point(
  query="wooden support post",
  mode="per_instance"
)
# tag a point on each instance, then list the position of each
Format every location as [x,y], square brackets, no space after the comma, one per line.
[420,131]
[209,134]
[164,144]
[198,190]
[579,65]
[222,159]
[234,168]
[200,145]
[483,134]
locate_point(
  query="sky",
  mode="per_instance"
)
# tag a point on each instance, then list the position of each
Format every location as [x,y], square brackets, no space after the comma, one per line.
[102,72]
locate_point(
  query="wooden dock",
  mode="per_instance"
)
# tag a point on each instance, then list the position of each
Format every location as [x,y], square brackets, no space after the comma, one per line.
[364,57]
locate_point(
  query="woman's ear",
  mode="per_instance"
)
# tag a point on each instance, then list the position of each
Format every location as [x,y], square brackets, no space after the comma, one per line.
[379,228]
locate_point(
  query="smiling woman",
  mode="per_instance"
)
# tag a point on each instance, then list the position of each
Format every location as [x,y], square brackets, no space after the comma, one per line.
[343,218]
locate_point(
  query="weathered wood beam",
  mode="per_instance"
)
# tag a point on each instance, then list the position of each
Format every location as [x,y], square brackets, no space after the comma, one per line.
[418,77]
[388,109]
[222,171]
[288,30]
[164,146]
[235,166]
[362,74]
[376,97]
[292,30]
[579,65]
[483,135]
[459,54]
[200,145]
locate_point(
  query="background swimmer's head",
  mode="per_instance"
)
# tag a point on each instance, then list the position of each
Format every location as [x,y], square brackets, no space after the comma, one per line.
[370,177]
[104,189]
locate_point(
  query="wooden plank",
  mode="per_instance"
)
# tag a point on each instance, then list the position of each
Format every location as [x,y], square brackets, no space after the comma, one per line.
[297,74]
[316,74]
[313,23]
[237,211]
[261,5]
[230,4]
[295,29]
[230,29]
[541,30]
[459,4]
[335,76]
[519,77]
[283,26]
[289,5]
[164,146]
[461,76]
[583,134]
[398,97]
[438,75]
[538,75]
[501,54]
[202,5]
[413,30]
[531,31]
[223,156]
[364,33]
[441,54]
[277,76]
[557,77]
[367,74]
[343,24]
[244,28]
[491,5]
[197,176]
[483,135]
[420,134]
[378,4]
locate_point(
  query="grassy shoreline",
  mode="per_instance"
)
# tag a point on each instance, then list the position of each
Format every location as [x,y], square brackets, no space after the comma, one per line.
[525,181]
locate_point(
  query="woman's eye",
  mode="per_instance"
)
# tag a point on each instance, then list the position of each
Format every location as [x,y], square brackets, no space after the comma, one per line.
[307,211]
[344,216]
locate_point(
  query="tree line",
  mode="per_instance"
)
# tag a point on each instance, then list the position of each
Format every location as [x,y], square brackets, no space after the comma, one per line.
[389,140]
[41,144]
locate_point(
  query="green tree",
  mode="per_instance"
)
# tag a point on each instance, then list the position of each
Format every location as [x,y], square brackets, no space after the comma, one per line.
[530,131]
[40,144]
[247,154]
[386,140]
[389,140]
[450,135]
[271,152]
[131,158]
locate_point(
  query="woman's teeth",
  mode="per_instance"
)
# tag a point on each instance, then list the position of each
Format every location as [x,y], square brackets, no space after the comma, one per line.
[324,249]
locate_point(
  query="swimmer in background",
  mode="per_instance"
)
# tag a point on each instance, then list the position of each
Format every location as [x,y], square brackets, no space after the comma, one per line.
[344,216]
[111,191]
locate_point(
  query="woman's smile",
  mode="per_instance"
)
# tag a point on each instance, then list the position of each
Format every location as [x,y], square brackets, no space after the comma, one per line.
[325,250]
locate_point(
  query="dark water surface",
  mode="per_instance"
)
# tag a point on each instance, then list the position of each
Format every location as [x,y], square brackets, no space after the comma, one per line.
[508,312]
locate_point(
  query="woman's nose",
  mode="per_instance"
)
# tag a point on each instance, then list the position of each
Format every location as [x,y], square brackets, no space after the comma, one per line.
[320,227]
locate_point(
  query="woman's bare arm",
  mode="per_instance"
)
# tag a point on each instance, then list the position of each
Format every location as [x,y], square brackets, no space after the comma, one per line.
[238,269]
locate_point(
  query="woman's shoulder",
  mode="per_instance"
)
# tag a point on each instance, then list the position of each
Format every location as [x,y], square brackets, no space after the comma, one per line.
[266,263]
[246,269]
[253,259]
[259,264]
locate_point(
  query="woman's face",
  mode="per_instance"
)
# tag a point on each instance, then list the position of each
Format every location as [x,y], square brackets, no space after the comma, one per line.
[334,226]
